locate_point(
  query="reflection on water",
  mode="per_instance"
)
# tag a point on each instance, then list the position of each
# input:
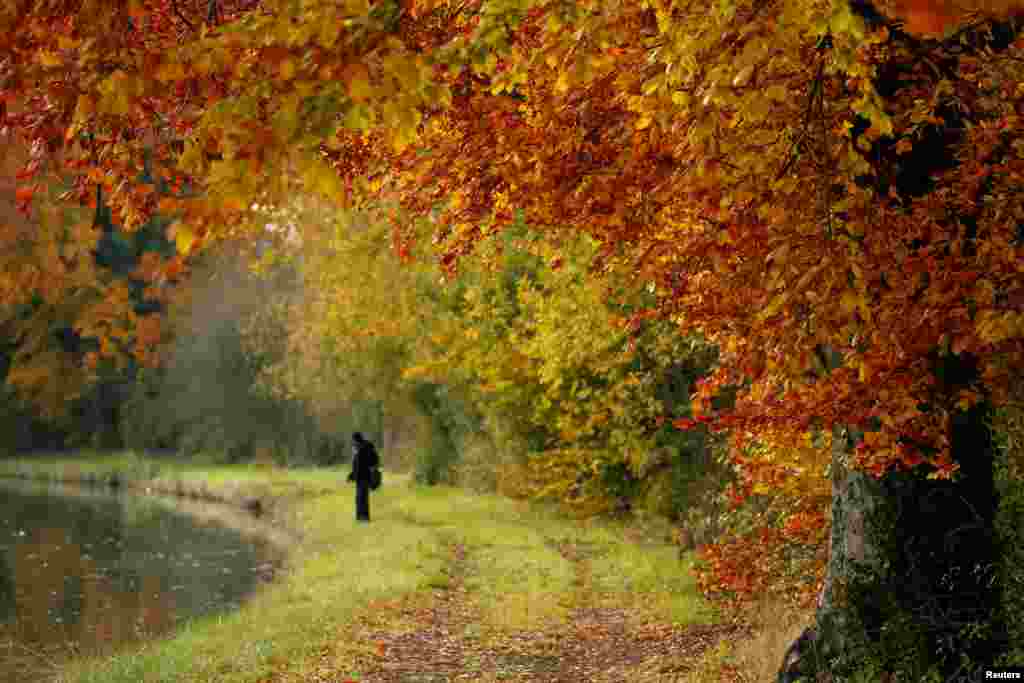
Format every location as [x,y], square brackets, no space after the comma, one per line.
[85,571]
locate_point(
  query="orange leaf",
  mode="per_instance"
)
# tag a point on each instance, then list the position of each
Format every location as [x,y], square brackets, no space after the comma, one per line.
[25,193]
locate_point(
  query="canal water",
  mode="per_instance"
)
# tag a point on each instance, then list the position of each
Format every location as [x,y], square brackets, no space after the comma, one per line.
[85,571]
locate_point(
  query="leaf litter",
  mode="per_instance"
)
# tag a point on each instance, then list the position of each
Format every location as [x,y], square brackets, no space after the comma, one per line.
[443,640]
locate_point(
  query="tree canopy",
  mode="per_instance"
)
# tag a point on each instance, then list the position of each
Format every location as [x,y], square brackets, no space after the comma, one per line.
[826,190]
[765,165]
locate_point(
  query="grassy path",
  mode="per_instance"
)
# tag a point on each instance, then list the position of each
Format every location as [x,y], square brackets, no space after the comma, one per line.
[441,642]
[443,585]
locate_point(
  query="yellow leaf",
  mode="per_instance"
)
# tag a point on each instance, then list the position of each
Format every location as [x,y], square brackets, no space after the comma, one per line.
[183,237]
[360,90]
[233,204]
[864,372]
[743,77]
[204,64]
[357,80]
[848,302]
[562,84]
[50,59]
[170,71]
[321,178]
[681,98]
[774,305]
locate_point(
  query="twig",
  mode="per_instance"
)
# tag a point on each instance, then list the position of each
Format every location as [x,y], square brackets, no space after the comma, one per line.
[177,10]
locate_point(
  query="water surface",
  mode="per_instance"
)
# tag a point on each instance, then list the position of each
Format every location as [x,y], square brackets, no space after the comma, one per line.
[88,570]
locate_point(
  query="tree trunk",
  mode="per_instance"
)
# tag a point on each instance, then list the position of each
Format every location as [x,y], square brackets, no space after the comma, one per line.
[910,588]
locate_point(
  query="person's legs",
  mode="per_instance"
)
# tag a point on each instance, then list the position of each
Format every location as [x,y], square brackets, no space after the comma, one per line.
[362,502]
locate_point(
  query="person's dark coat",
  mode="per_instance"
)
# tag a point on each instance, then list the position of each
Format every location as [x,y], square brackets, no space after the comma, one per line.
[364,460]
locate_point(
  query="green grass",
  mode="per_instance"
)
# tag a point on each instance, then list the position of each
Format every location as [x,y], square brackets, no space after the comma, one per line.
[85,464]
[516,574]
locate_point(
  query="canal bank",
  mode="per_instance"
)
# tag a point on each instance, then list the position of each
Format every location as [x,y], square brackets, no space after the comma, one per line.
[254,502]
[90,570]
[443,584]
[263,491]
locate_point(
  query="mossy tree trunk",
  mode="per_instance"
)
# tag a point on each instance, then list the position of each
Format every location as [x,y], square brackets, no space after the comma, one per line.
[911,588]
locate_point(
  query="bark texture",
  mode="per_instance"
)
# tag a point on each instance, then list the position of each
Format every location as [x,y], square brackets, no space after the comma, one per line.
[910,590]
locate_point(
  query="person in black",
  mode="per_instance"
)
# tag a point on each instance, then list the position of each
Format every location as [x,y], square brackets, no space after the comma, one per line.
[364,460]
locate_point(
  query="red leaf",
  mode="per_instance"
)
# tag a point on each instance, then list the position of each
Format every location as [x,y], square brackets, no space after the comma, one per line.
[24,195]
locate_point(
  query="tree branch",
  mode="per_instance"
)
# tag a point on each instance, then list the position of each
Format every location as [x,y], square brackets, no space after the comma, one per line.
[184,19]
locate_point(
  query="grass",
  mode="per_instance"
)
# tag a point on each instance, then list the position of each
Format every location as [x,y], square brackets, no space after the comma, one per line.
[519,578]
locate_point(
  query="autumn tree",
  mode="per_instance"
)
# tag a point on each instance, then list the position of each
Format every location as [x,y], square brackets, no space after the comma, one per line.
[746,158]
[86,308]
[534,377]
[576,384]
[205,396]
[825,191]
[345,331]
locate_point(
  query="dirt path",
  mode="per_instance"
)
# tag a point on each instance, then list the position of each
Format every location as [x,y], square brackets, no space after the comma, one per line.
[599,644]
